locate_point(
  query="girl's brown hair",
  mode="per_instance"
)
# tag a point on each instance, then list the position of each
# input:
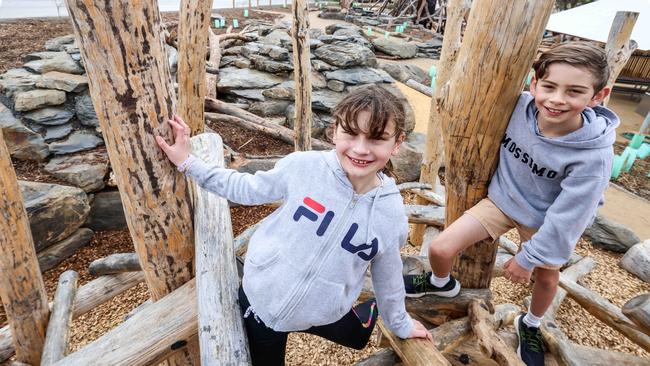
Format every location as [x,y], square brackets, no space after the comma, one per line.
[382,105]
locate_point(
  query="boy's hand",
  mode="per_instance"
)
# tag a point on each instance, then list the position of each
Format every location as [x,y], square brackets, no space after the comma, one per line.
[516,273]
[419,331]
[180,150]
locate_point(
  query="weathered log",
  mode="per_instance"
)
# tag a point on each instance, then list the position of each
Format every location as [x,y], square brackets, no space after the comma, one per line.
[429,215]
[413,351]
[433,152]
[115,263]
[592,356]
[58,328]
[21,285]
[489,341]
[475,110]
[637,310]
[419,87]
[438,310]
[150,336]
[301,74]
[619,47]
[409,186]
[193,28]
[213,61]
[221,328]
[89,296]
[605,312]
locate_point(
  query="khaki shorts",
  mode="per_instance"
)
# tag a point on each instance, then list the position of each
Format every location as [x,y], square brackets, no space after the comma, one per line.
[497,223]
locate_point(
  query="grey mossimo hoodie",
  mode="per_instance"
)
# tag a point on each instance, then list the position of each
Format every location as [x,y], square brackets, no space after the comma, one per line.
[554,184]
[305,264]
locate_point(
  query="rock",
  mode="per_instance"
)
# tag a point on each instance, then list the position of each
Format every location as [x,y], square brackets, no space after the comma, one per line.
[106,212]
[325,100]
[392,47]
[359,75]
[43,55]
[333,28]
[85,110]
[253,94]
[319,65]
[23,143]
[404,72]
[269,108]
[637,260]
[57,44]
[232,51]
[172,58]
[49,116]
[78,141]
[350,35]
[610,235]
[318,125]
[54,211]
[408,161]
[62,81]
[57,253]
[278,37]
[315,43]
[284,91]
[57,132]
[253,165]
[39,98]
[336,85]
[234,78]
[86,171]
[251,49]
[61,62]
[228,61]
[345,54]
[263,63]
[17,80]
[274,52]
[242,63]
[318,81]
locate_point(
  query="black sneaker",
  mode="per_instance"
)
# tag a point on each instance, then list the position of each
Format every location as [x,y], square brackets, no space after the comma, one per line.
[531,344]
[420,285]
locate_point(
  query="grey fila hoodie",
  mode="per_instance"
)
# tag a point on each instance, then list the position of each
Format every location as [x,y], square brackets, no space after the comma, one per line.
[305,264]
[553,184]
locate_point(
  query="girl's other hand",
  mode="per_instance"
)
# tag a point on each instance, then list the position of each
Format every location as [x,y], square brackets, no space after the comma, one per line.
[180,150]
[419,331]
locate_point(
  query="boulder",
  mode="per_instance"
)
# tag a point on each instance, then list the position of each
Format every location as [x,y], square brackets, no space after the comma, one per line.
[39,98]
[54,211]
[58,43]
[319,65]
[57,132]
[269,108]
[359,75]
[57,253]
[318,81]
[77,141]
[345,54]
[350,35]
[106,212]
[276,53]
[318,124]
[333,28]
[250,49]
[242,63]
[232,51]
[284,91]
[234,78]
[86,171]
[49,116]
[336,85]
[63,81]
[61,62]
[607,234]
[263,63]
[17,80]
[393,47]
[325,99]
[23,143]
[42,55]
[637,260]
[408,161]
[278,37]
[252,94]
[83,106]
[404,72]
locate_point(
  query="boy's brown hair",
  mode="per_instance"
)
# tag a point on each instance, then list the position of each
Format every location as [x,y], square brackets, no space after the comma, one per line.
[584,55]
[382,105]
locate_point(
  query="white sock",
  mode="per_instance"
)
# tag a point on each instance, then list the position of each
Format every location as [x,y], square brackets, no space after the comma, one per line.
[439,281]
[532,321]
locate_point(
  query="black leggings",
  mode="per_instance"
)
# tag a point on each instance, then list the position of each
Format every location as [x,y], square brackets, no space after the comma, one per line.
[268,347]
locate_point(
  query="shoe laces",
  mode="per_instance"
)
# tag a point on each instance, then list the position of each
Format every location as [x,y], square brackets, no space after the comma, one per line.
[420,281]
[533,339]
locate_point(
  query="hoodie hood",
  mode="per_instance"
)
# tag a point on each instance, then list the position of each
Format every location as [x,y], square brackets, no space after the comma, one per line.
[598,129]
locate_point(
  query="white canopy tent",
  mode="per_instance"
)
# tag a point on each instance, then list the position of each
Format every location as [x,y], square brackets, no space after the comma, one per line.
[593,21]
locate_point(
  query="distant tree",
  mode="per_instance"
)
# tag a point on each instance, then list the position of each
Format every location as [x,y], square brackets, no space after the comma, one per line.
[568,4]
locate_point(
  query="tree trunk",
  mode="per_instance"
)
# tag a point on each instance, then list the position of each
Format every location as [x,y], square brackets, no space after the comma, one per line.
[193,28]
[301,75]
[475,106]
[115,263]
[221,328]
[58,328]
[21,285]
[619,48]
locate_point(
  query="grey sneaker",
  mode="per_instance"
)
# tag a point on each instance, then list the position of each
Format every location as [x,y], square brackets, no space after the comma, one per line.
[420,285]
[531,343]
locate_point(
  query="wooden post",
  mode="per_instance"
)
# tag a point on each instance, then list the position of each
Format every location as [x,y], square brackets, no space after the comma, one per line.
[193,28]
[434,142]
[58,328]
[619,48]
[301,75]
[638,310]
[221,329]
[21,285]
[500,42]
[131,89]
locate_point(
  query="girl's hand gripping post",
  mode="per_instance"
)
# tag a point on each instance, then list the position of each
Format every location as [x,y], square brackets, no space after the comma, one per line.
[180,150]
[419,331]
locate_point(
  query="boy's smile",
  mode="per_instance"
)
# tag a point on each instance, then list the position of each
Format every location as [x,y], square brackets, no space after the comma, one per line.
[561,96]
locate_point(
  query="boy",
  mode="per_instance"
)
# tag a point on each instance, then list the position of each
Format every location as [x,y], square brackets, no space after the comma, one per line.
[554,165]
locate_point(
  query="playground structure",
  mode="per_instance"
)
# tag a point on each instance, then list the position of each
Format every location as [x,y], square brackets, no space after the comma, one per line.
[189,264]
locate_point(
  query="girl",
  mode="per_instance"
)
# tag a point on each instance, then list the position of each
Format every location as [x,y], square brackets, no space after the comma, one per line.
[340,213]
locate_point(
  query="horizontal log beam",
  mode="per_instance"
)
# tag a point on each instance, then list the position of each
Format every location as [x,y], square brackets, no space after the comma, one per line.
[115,263]
[423,214]
[413,352]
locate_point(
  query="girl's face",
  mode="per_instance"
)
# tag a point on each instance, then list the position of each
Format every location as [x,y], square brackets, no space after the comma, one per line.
[361,156]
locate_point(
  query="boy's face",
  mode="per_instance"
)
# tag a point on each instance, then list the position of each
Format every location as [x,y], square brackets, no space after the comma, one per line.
[563,94]
[361,156]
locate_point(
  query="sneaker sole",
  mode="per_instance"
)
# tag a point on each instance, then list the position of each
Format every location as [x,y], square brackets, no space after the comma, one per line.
[449,293]
[517,331]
